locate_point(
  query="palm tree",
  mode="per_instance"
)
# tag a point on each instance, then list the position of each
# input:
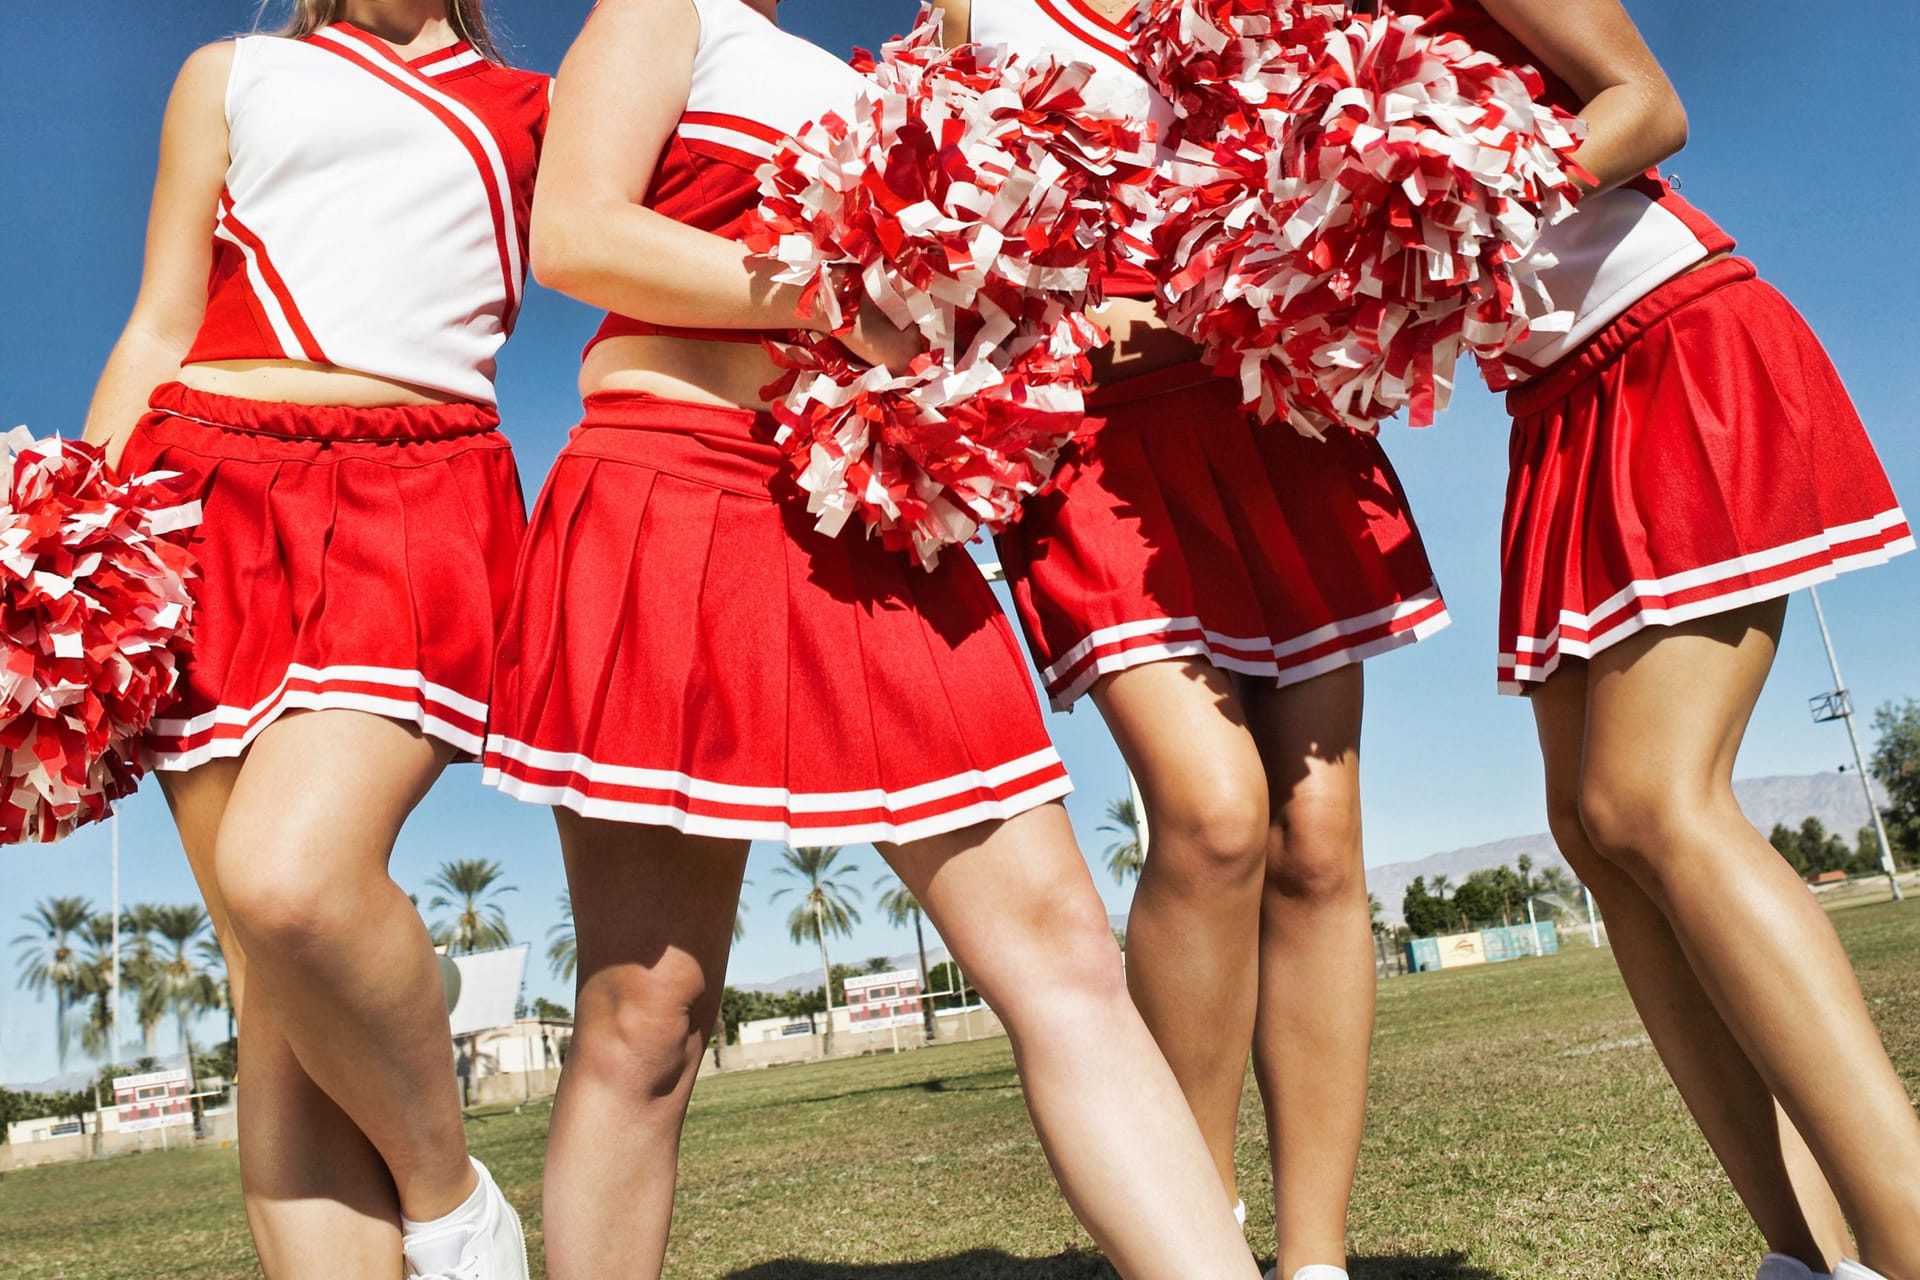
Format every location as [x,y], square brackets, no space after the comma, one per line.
[825,906]
[470,887]
[1127,856]
[899,905]
[48,960]
[1373,913]
[563,952]
[97,1029]
[137,966]
[187,987]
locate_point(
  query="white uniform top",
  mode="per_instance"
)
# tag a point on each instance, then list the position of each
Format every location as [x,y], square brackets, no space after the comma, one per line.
[375,211]
[1075,30]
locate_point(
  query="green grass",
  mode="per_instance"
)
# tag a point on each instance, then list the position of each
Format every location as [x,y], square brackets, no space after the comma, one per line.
[1521,1128]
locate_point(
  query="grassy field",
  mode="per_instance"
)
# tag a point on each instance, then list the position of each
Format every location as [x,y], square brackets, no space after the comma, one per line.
[1521,1128]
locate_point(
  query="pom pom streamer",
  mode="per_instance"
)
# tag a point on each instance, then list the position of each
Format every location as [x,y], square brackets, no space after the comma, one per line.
[980,199]
[94,615]
[1336,244]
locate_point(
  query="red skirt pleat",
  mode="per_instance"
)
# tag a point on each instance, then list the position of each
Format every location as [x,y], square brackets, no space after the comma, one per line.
[684,650]
[355,559]
[1178,528]
[1699,455]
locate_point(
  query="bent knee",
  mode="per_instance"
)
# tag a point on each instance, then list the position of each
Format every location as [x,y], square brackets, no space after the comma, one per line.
[646,1030]
[281,902]
[1315,853]
[1219,834]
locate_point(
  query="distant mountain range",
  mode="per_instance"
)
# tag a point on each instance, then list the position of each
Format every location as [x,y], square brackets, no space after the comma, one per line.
[1834,798]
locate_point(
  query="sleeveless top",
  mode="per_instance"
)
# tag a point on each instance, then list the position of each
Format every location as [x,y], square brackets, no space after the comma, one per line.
[375,211]
[753,85]
[1076,31]
[1619,246]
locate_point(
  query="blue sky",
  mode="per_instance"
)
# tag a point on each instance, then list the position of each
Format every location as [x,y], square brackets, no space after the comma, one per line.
[1802,147]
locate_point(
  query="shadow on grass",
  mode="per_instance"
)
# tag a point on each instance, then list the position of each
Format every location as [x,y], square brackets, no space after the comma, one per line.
[991,1264]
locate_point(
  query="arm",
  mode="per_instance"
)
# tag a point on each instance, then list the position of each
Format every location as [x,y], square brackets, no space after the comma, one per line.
[620,94]
[956,21]
[173,285]
[1634,117]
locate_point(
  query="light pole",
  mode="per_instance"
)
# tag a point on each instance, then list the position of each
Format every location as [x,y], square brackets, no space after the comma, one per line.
[113,979]
[1839,706]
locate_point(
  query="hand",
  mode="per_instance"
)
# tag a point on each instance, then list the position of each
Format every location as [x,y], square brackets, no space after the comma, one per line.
[879,341]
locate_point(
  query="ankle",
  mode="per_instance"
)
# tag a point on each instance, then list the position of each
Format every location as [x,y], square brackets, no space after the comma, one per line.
[425,1199]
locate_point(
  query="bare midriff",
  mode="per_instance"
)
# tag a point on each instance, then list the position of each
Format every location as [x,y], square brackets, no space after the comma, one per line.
[1142,343]
[297,382]
[727,374]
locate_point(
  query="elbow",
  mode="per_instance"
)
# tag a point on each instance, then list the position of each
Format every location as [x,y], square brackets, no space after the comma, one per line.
[553,256]
[1667,128]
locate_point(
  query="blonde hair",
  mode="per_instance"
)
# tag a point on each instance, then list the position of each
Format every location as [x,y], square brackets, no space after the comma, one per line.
[467,17]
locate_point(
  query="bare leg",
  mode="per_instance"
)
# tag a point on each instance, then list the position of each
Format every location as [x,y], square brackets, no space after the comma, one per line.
[1192,958]
[306,1172]
[1014,899]
[1665,713]
[1317,978]
[1717,1081]
[653,916]
[335,949]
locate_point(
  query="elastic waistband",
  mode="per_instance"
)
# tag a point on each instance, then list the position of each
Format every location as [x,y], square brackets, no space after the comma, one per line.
[1150,386]
[714,445]
[1607,345]
[325,421]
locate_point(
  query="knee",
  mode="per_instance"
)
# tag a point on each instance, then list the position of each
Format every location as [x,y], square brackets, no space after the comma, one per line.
[290,899]
[1635,822]
[1316,855]
[643,1030]
[1073,944]
[1211,836]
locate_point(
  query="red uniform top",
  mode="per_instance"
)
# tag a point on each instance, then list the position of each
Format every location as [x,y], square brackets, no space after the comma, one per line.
[753,85]
[375,211]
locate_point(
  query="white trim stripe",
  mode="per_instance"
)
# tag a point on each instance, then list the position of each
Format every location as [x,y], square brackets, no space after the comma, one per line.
[458,62]
[494,172]
[290,345]
[1647,602]
[407,696]
[697,806]
[1288,661]
[724,136]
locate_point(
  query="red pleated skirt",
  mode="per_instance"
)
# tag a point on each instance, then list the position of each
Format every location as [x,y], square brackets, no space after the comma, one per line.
[355,559]
[1179,528]
[1700,454]
[684,650]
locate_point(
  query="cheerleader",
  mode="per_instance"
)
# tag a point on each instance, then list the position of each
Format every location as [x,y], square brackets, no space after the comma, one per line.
[1215,585]
[335,255]
[1682,460]
[689,666]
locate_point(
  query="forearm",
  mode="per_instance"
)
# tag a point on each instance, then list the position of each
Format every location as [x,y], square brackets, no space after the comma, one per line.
[1630,128]
[636,262]
[140,362]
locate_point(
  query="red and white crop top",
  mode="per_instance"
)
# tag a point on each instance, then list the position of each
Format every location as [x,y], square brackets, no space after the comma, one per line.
[376,208]
[1075,30]
[1619,246]
[753,85]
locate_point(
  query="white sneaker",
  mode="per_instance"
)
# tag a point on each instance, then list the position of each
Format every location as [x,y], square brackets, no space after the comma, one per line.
[1778,1266]
[1850,1270]
[495,1249]
[1320,1271]
[1240,1212]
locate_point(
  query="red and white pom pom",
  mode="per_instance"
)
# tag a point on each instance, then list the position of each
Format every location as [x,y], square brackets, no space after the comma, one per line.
[94,614]
[1216,61]
[1340,252]
[980,199]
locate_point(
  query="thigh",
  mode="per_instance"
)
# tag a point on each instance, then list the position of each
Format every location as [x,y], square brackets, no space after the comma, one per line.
[1309,741]
[650,905]
[1182,728]
[198,799]
[1006,896]
[1672,703]
[322,792]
